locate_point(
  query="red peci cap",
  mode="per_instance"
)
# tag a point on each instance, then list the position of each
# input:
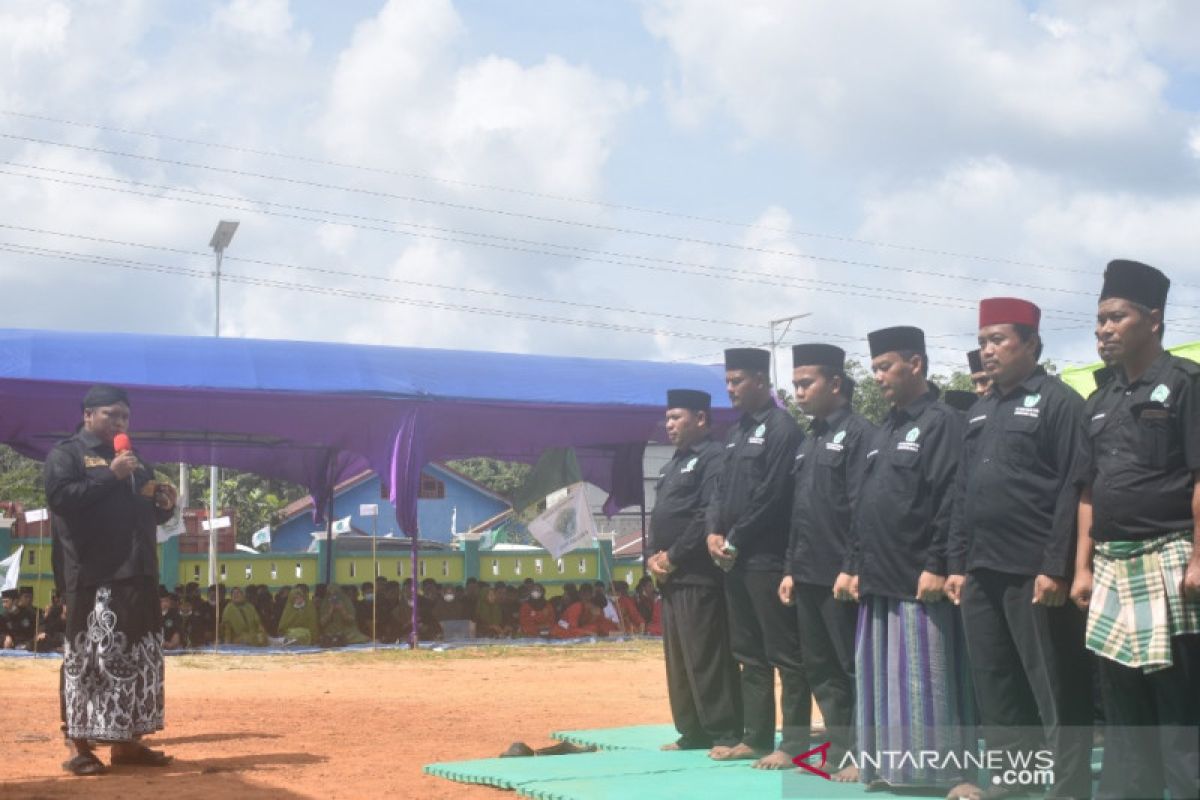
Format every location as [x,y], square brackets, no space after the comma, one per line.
[1008,311]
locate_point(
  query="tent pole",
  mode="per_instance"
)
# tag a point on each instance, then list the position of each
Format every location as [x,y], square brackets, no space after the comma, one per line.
[414,637]
[645,542]
[329,544]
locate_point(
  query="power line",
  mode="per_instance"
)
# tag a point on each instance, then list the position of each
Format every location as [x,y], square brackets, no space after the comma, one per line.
[561,221]
[535,194]
[501,242]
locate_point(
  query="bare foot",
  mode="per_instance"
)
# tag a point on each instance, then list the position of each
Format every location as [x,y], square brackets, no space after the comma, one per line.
[969,791]
[775,760]
[739,752]
[847,775]
[671,746]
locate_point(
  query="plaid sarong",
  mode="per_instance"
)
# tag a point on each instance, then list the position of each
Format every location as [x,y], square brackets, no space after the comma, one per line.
[1136,604]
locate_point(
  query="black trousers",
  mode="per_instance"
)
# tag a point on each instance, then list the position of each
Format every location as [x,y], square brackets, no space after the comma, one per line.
[1152,726]
[827,636]
[702,681]
[766,638]
[1032,675]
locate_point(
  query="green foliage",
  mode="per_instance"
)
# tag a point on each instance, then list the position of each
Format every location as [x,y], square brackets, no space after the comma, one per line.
[255,500]
[502,477]
[20,479]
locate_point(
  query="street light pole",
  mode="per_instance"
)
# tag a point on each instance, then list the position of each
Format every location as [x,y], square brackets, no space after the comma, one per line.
[787,323]
[221,238]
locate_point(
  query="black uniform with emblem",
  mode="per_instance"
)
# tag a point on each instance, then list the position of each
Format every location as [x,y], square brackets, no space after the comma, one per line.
[702,680]
[1140,457]
[1014,520]
[752,510]
[828,475]
[106,567]
[21,624]
[172,625]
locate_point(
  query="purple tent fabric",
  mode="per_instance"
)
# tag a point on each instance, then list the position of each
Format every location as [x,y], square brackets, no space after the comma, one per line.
[318,413]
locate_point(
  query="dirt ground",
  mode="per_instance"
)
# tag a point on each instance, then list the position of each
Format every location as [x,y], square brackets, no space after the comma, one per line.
[336,725]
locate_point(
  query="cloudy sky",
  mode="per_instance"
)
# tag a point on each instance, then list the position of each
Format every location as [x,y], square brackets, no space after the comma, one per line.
[654,179]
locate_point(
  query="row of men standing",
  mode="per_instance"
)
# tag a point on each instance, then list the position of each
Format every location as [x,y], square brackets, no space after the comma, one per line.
[1052,527]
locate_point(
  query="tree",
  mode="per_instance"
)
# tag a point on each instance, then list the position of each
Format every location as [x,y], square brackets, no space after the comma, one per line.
[20,479]
[501,477]
[257,501]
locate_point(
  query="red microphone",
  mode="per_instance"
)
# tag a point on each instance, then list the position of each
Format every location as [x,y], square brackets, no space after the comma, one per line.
[121,443]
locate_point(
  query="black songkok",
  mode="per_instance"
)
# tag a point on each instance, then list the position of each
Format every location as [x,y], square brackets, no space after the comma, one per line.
[957,398]
[1137,282]
[975,360]
[750,359]
[819,355]
[895,340]
[691,399]
[104,395]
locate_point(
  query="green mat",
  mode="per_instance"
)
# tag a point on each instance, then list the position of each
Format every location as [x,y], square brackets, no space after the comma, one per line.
[636,737]
[725,784]
[513,773]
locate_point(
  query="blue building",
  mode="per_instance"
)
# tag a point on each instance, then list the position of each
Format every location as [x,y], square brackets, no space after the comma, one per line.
[449,502]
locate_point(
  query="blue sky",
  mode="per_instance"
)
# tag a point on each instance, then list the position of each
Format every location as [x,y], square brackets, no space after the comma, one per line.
[868,165]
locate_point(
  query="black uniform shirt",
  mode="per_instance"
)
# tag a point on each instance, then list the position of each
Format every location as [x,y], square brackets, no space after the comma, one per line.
[1016,497]
[686,486]
[21,624]
[1140,449]
[755,496]
[172,623]
[828,474]
[902,522]
[103,527]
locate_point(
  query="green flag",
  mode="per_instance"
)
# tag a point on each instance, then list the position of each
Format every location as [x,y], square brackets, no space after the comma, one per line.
[555,469]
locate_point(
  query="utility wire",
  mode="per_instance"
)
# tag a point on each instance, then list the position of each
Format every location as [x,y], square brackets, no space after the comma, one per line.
[361,222]
[559,221]
[544,195]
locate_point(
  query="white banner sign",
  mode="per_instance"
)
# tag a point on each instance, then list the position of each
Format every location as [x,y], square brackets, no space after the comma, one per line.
[37,515]
[566,525]
[368,510]
[218,523]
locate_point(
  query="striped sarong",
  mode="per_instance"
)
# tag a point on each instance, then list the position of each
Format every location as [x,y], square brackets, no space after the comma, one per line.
[1136,606]
[914,690]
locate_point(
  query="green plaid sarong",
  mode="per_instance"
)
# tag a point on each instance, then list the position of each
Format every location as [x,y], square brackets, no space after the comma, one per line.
[1136,605]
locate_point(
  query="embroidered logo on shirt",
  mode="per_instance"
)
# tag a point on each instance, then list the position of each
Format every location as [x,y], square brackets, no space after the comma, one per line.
[94,461]
[839,437]
[1160,393]
[1101,415]
[980,418]
[912,435]
[691,465]
[761,430]
[1032,400]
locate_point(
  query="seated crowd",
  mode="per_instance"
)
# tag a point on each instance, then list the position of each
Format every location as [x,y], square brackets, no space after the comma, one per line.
[332,617]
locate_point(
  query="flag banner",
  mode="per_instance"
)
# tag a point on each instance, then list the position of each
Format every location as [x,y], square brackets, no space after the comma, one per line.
[261,536]
[368,510]
[172,527]
[37,515]
[218,524]
[241,548]
[341,526]
[566,525]
[10,570]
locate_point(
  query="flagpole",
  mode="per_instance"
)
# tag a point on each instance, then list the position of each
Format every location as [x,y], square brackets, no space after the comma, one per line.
[374,582]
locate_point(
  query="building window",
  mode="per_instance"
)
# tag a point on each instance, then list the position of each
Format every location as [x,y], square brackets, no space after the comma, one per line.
[274,572]
[537,566]
[445,569]
[32,557]
[517,567]
[421,567]
[432,488]
[196,572]
[561,567]
[399,568]
[223,573]
[353,570]
[299,570]
[249,572]
[495,567]
[378,569]
[582,566]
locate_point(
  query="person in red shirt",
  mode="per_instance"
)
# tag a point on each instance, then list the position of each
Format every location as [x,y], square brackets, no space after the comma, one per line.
[584,617]
[627,609]
[537,615]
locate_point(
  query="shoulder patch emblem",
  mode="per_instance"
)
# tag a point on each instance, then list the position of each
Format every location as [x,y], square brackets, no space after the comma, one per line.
[839,437]
[1160,393]
[912,435]
[1032,400]
[691,464]
[761,430]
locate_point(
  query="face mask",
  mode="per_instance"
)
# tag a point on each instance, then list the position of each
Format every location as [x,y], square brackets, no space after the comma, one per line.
[536,595]
[298,604]
[368,596]
[449,598]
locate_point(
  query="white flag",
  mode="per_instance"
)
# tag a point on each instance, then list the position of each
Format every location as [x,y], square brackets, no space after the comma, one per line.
[241,548]
[172,527]
[368,510]
[341,526]
[218,524]
[10,571]
[261,536]
[37,515]
[566,525]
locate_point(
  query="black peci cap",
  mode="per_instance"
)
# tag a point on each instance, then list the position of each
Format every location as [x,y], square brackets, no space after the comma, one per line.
[750,359]
[892,340]
[1135,281]
[692,399]
[819,355]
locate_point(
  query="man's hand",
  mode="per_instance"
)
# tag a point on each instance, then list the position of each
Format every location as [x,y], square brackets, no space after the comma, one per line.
[716,549]
[124,464]
[166,496]
[846,587]
[1190,589]
[954,586]
[659,565]
[785,590]
[1081,589]
[931,588]
[1049,591]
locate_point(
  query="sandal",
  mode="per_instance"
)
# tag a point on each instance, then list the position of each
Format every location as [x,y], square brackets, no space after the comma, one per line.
[85,764]
[142,756]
